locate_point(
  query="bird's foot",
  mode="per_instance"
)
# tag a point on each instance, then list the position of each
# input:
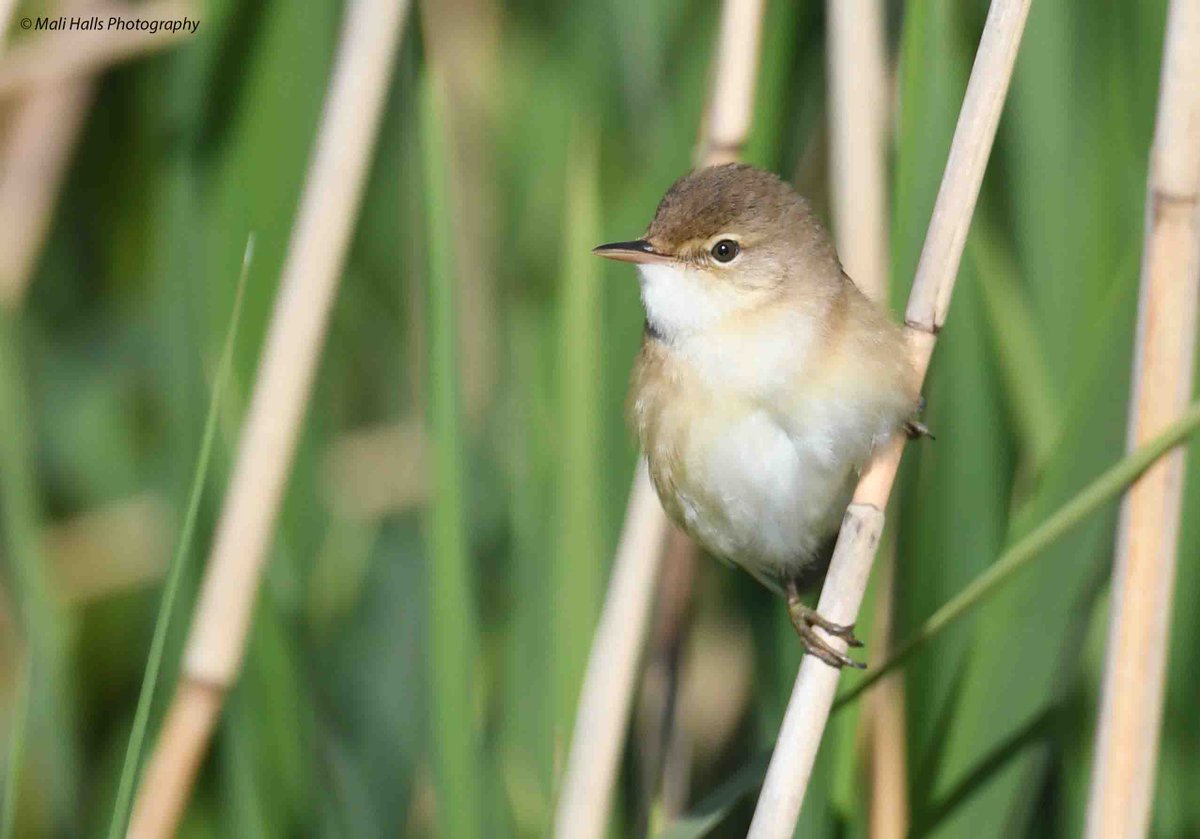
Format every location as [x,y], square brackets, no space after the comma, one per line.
[806,621]
[914,428]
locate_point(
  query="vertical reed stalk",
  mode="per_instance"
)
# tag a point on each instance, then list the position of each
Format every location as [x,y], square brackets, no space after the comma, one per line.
[19,719]
[577,584]
[307,289]
[40,610]
[1122,783]
[607,693]
[461,38]
[808,709]
[858,156]
[727,120]
[35,148]
[7,7]
[858,140]
[454,646]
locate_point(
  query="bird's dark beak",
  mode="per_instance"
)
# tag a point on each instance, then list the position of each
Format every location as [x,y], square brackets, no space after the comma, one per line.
[639,250]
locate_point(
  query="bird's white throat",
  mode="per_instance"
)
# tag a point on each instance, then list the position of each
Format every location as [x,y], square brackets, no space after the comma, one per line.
[680,302]
[697,318]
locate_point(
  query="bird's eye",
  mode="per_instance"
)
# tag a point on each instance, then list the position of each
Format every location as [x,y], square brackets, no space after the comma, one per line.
[725,250]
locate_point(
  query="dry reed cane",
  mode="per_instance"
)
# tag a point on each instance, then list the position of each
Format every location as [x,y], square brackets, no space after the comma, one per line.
[857,114]
[7,7]
[1122,783]
[808,709]
[54,90]
[307,289]
[61,56]
[855,32]
[727,120]
[657,718]
[605,698]
[885,728]
[42,130]
[40,138]
[462,39]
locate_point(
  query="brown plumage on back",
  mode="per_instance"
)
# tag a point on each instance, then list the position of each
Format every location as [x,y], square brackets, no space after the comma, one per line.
[765,378]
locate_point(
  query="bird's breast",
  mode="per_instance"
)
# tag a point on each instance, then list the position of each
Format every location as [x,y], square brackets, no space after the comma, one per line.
[747,487]
[755,426]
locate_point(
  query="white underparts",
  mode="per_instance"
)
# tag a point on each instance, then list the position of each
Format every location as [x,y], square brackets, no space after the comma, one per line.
[679,301]
[763,451]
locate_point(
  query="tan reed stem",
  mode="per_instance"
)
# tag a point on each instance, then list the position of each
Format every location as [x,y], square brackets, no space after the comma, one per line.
[117,547]
[42,133]
[606,696]
[377,471]
[607,693]
[808,709]
[7,7]
[723,132]
[858,150]
[44,124]
[658,725]
[1122,783]
[888,810]
[213,655]
[857,129]
[462,40]
[727,120]
[60,56]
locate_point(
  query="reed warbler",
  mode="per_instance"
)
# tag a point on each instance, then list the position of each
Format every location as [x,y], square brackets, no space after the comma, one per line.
[764,382]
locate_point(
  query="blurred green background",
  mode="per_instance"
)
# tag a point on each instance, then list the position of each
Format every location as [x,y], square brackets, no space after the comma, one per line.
[568,121]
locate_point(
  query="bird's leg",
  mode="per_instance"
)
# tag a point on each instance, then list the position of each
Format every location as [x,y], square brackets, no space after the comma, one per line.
[914,428]
[805,619]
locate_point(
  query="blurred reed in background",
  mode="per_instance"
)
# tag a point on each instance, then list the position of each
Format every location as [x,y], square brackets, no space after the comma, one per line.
[555,126]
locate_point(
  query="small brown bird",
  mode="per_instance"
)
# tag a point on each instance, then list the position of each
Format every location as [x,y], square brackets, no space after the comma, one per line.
[765,379]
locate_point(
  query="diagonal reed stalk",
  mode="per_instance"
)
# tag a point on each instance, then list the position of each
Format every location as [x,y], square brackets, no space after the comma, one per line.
[329,205]
[606,696]
[607,691]
[858,106]
[812,697]
[60,57]
[453,634]
[42,128]
[1106,488]
[141,718]
[1122,783]
[1102,490]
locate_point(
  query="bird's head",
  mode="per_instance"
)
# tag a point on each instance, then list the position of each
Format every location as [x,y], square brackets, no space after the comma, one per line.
[725,239]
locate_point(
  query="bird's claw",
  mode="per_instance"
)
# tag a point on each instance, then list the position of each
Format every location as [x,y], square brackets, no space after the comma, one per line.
[807,620]
[914,428]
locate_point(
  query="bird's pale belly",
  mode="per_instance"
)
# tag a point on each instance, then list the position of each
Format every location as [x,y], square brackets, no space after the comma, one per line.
[749,491]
